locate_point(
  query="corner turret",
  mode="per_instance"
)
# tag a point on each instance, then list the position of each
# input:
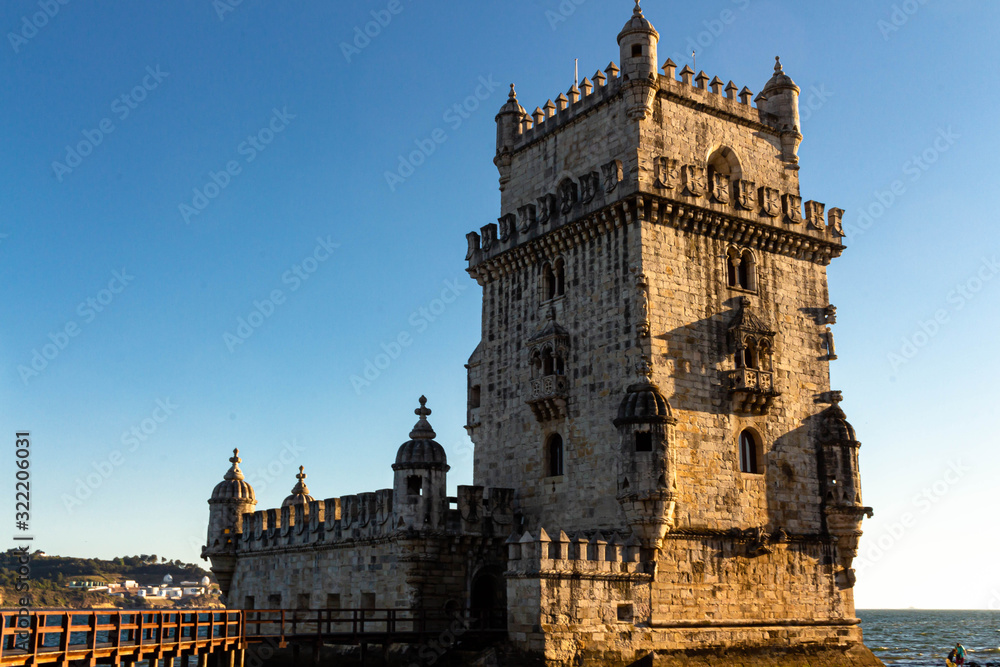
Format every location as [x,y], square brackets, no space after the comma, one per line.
[841,487]
[508,121]
[647,485]
[231,499]
[780,98]
[420,488]
[638,41]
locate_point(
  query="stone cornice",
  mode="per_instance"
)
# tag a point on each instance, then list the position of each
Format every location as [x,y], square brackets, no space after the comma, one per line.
[657,209]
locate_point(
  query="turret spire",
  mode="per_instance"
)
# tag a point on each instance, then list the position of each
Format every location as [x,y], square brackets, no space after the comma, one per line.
[422,430]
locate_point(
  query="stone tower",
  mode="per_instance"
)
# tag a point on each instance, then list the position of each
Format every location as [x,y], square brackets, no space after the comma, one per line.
[653,375]
[231,499]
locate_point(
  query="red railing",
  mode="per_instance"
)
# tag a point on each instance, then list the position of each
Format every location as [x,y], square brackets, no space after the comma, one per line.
[64,635]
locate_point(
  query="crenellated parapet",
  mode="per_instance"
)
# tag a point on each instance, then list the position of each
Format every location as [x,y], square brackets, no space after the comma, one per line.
[369,517]
[558,555]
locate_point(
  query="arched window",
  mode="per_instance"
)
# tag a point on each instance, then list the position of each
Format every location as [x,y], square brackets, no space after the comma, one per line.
[643,441]
[741,269]
[749,453]
[554,455]
[748,272]
[548,282]
[548,363]
[560,272]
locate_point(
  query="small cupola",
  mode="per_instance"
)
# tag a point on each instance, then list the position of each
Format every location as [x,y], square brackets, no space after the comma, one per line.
[234,486]
[421,450]
[638,41]
[300,492]
[420,498]
[780,99]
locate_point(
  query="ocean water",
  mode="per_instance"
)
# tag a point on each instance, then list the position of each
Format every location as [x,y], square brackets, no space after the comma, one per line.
[924,638]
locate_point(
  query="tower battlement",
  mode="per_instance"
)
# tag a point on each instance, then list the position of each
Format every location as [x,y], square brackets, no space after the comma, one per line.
[680,141]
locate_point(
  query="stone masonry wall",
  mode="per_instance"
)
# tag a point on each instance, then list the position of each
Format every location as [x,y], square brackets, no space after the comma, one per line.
[510,443]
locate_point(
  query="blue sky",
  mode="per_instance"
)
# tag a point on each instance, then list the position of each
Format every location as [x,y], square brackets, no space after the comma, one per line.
[277,138]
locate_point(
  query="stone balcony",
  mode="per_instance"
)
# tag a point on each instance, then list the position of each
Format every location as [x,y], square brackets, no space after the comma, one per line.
[547,397]
[752,390]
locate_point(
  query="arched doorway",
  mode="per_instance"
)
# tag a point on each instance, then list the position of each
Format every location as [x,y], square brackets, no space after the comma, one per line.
[488,599]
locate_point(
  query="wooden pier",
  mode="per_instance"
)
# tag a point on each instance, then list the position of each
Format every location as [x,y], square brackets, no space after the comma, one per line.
[221,638]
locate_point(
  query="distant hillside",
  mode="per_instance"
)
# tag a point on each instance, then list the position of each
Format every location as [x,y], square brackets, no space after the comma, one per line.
[50,574]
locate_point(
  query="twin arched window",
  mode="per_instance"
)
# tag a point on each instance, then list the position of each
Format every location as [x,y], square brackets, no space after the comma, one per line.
[749,453]
[547,362]
[553,280]
[741,269]
[755,354]
[554,455]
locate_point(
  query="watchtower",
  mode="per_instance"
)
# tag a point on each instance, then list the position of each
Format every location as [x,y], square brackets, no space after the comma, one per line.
[653,375]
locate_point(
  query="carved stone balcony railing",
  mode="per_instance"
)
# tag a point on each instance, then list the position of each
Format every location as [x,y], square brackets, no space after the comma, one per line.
[752,390]
[547,397]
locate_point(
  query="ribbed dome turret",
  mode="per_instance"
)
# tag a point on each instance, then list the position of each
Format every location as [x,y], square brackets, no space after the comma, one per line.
[644,404]
[836,428]
[300,492]
[421,451]
[234,485]
[638,23]
[512,105]
[779,80]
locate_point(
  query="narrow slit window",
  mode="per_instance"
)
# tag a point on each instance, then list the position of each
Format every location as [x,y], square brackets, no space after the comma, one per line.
[555,455]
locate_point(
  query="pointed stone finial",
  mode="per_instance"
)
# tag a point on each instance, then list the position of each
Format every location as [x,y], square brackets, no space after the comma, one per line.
[612,70]
[731,90]
[716,85]
[701,79]
[234,472]
[562,102]
[550,109]
[422,430]
[777,65]
[686,74]
[600,78]
[638,10]
[300,488]
[587,87]
[746,95]
[645,369]
[551,315]
[539,115]
[513,94]
[574,94]
[670,69]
